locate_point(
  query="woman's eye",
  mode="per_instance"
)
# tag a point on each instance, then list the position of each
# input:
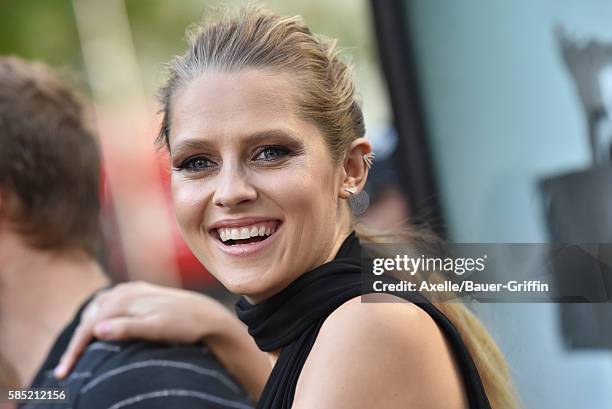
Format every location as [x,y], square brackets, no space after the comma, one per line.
[196,164]
[271,153]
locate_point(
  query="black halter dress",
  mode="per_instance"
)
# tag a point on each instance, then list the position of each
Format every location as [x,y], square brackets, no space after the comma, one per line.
[292,318]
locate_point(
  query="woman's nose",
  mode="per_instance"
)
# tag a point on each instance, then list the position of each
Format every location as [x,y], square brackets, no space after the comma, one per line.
[233,189]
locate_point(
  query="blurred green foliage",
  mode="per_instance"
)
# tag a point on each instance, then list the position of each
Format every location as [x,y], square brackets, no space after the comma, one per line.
[46,30]
[41,30]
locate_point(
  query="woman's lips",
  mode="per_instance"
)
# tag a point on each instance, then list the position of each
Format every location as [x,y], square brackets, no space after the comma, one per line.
[260,229]
[246,249]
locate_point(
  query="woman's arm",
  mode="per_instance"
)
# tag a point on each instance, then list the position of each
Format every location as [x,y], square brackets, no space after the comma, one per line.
[146,311]
[382,355]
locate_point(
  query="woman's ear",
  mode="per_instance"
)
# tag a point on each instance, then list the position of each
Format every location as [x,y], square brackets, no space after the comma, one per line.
[355,168]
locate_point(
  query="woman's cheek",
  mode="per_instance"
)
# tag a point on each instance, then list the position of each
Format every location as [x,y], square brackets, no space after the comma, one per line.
[189,204]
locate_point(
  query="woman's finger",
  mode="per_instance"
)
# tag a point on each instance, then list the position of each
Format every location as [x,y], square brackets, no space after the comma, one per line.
[81,338]
[122,328]
[97,310]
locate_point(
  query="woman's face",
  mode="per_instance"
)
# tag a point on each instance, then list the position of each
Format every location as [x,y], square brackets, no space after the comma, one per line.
[254,187]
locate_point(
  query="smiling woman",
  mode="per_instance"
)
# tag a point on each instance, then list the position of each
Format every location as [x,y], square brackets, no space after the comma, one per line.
[267,143]
[243,159]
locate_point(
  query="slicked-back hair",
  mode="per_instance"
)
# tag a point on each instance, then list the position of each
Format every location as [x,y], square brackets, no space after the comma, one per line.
[255,38]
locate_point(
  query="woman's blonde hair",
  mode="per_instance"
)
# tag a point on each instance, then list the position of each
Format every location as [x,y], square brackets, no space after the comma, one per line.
[487,356]
[256,38]
[253,37]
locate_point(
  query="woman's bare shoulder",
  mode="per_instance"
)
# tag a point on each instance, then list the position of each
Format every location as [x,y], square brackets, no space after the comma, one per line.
[380,354]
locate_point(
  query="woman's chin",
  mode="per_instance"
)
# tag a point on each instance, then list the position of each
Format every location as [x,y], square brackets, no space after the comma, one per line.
[247,286]
[252,295]
[254,291]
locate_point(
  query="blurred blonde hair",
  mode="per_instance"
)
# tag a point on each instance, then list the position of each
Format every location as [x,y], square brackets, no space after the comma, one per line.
[256,38]
[487,356]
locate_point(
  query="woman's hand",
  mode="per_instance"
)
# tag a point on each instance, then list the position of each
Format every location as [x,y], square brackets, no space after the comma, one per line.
[146,311]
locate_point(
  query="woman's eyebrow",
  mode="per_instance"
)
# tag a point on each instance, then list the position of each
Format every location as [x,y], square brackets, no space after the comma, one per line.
[192,144]
[189,145]
[256,137]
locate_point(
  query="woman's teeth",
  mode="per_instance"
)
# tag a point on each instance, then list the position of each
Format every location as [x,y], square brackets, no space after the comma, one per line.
[241,233]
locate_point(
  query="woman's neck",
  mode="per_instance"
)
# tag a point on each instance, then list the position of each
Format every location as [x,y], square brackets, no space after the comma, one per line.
[273,356]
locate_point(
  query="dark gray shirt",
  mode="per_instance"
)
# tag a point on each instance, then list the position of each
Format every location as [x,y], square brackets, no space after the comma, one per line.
[139,375]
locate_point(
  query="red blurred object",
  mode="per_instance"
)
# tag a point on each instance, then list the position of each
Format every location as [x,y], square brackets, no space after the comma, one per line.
[192,273]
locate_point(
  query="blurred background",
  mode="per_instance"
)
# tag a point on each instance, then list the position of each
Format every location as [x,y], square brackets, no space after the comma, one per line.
[490,122]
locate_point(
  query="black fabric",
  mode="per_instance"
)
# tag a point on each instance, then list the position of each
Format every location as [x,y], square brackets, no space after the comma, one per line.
[139,375]
[292,319]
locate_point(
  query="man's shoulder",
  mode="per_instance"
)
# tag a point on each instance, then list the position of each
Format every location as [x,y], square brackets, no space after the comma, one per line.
[143,374]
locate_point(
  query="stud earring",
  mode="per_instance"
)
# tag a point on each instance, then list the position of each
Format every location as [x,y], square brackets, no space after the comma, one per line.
[368,158]
[352,190]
